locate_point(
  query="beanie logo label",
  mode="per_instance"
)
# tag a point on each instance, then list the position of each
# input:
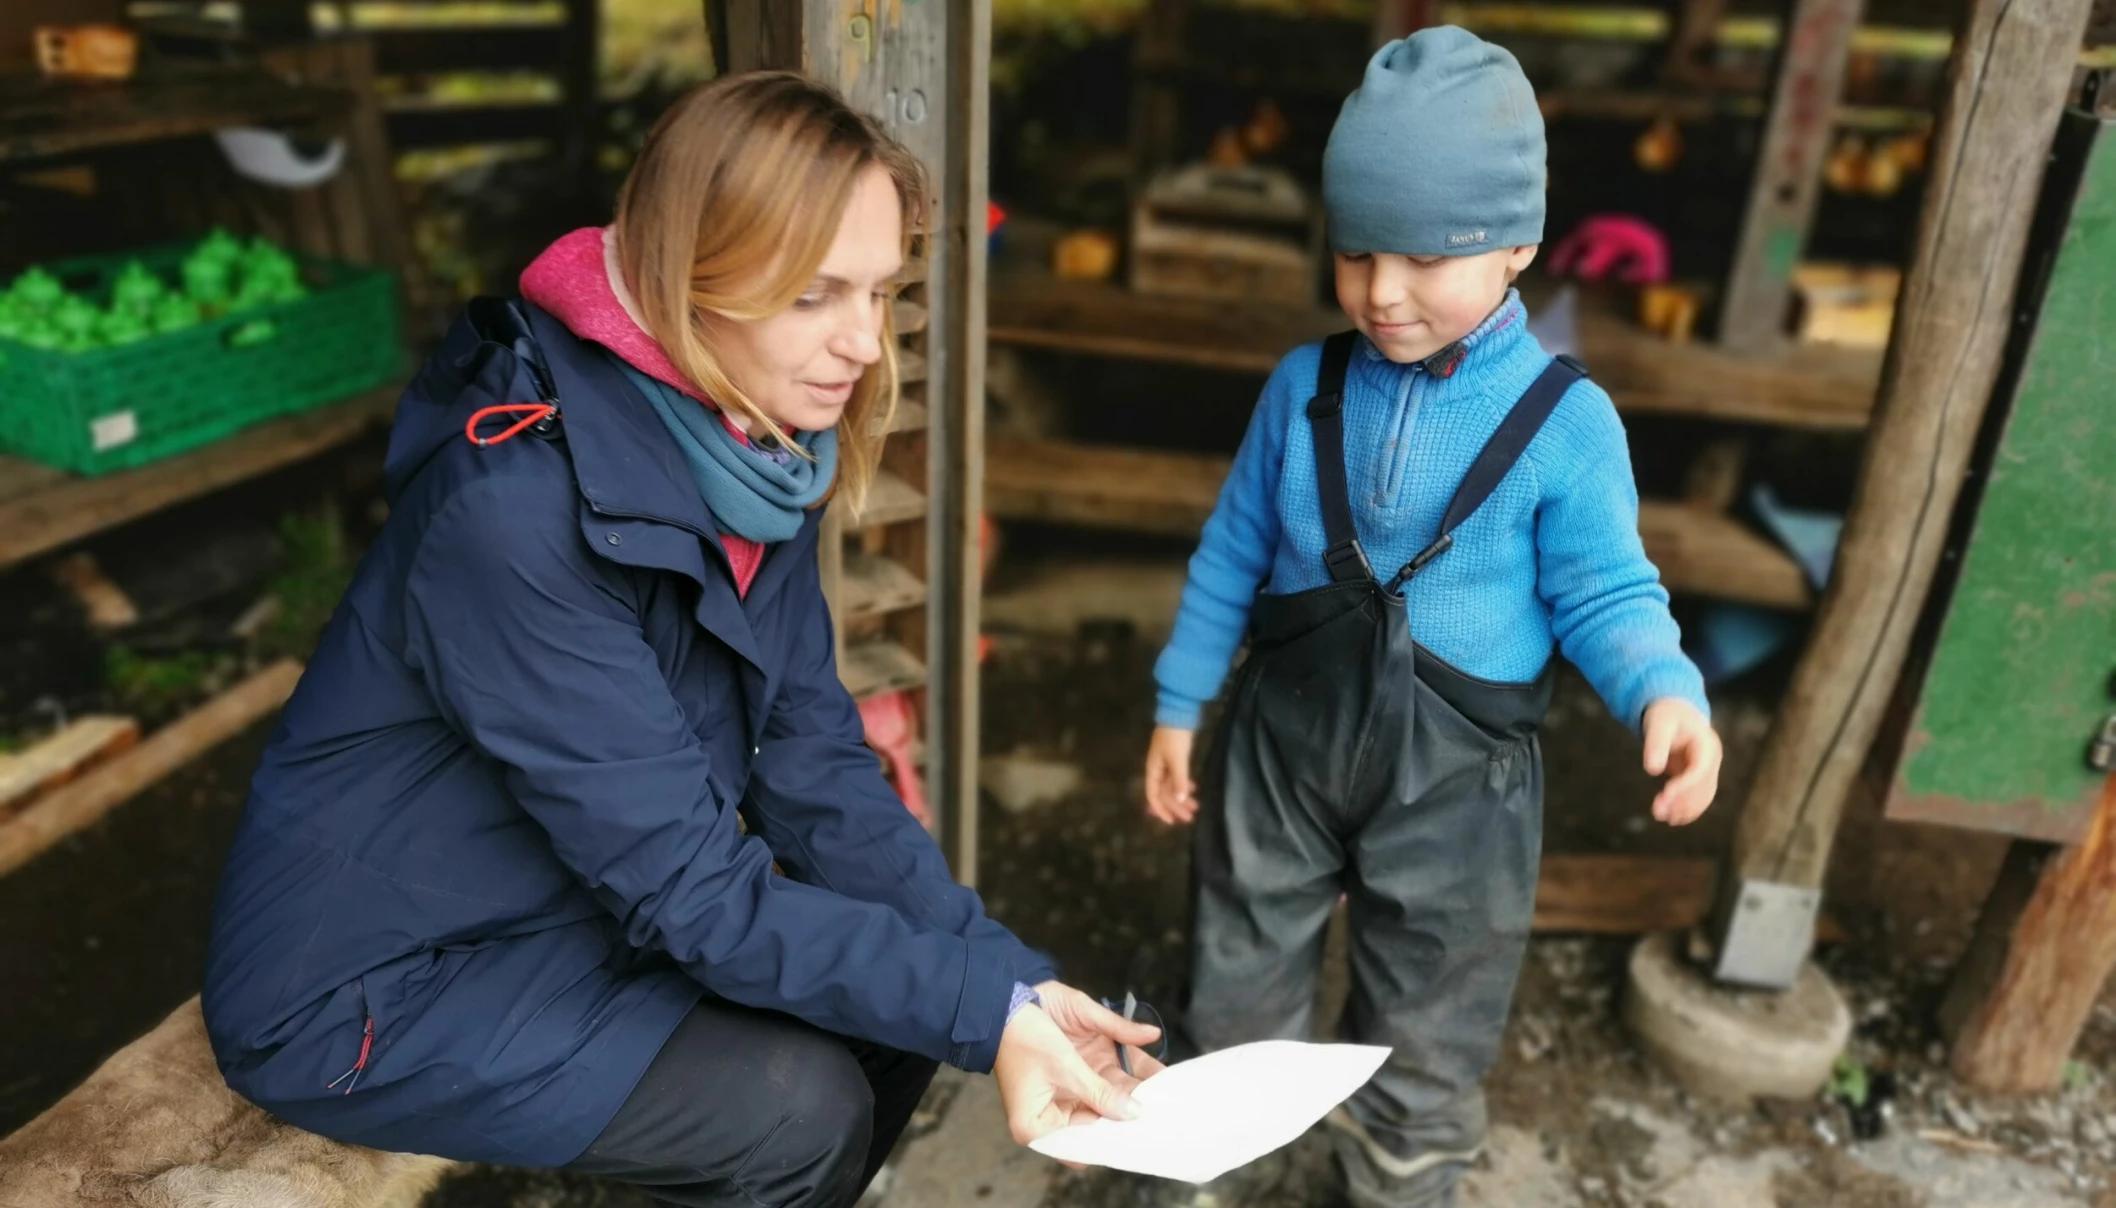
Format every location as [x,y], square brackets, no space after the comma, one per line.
[1466,238]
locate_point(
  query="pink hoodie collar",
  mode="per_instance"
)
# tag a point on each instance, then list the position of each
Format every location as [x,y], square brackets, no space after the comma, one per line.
[577,280]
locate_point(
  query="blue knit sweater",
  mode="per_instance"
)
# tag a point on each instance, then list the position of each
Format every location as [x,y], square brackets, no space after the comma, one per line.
[1552,559]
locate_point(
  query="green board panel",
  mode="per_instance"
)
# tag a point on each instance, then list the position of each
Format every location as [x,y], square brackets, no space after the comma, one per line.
[2019,679]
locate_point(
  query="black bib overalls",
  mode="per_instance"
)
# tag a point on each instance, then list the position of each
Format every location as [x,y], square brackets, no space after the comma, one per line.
[1352,760]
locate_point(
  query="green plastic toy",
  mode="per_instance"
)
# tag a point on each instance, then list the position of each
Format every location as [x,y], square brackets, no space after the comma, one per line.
[76,318]
[123,327]
[137,289]
[37,290]
[207,280]
[174,313]
[220,246]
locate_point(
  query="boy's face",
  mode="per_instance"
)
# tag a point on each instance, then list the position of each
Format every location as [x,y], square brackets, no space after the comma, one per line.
[1413,306]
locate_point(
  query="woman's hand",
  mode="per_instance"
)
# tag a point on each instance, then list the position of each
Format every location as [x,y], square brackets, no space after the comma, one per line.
[1681,744]
[1170,795]
[1058,1063]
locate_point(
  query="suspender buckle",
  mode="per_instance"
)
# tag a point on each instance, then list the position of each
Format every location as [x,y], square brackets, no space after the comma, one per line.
[1347,563]
[1445,543]
[1430,552]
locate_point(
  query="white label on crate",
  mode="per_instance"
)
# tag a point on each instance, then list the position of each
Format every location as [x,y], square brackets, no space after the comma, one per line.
[117,428]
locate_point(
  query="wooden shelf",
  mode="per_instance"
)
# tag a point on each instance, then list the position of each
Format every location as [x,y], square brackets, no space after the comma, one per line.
[910,366]
[910,317]
[1699,552]
[42,509]
[1802,386]
[42,118]
[874,586]
[872,668]
[890,500]
[910,416]
[1136,490]
[1706,553]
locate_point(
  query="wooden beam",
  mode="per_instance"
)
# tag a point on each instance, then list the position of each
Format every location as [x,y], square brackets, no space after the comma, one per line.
[1705,552]
[922,71]
[1690,44]
[1698,551]
[1133,490]
[58,814]
[716,34]
[762,34]
[1157,101]
[579,71]
[58,510]
[2006,89]
[1395,19]
[83,743]
[2042,952]
[1819,388]
[956,439]
[105,603]
[42,118]
[1630,895]
[1788,176]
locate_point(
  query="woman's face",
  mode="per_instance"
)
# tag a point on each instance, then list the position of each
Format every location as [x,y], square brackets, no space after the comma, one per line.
[799,365]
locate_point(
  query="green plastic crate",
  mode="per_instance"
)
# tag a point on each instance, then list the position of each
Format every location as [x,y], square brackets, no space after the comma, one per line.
[114,408]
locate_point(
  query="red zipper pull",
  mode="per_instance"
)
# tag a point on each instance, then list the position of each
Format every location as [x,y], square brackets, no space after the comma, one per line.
[367,1047]
[533,413]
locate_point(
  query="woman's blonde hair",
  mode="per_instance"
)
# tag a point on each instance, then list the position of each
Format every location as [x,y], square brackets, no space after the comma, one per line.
[742,181]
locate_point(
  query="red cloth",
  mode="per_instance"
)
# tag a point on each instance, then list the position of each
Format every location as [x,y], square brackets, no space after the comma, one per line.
[573,280]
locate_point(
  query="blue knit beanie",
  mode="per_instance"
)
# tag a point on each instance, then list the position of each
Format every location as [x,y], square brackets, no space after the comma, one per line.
[1438,153]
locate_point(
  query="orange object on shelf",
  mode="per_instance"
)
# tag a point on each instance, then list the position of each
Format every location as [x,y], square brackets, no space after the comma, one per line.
[1669,311]
[92,52]
[891,720]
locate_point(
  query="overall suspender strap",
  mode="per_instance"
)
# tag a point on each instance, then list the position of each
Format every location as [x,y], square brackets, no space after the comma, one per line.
[1496,458]
[1345,560]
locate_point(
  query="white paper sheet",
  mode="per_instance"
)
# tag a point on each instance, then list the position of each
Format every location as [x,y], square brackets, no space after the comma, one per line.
[1201,1118]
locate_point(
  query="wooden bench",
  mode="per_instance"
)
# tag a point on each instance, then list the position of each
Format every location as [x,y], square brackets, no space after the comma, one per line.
[156,1127]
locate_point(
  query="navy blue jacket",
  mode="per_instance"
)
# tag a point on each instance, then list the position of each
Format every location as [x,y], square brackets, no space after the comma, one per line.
[499,817]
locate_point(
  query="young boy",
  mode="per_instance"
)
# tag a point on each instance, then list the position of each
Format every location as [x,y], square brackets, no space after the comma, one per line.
[1421,510]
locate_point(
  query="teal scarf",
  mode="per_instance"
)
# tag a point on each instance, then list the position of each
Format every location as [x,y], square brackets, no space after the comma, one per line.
[759,493]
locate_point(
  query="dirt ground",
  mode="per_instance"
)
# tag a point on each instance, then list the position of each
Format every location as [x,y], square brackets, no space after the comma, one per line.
[1572,1102]
[103,935]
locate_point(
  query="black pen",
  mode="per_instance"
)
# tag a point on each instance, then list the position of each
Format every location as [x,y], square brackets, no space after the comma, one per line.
[1131,1007]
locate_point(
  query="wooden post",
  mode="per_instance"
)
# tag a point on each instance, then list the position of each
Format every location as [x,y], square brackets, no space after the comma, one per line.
[2043,949]
[1788,170]
[2007,80]
[1696,29]
[580,77]
[1157,104]
[923,72]
[956,453]
[1395,19]
[761,34]
[716,34]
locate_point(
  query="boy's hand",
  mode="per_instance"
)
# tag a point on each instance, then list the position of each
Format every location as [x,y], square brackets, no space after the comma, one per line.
[1681,744]
[1170,795]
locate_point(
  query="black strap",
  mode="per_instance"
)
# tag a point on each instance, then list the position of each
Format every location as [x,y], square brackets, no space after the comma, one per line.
[1345,560]
[1497,457]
